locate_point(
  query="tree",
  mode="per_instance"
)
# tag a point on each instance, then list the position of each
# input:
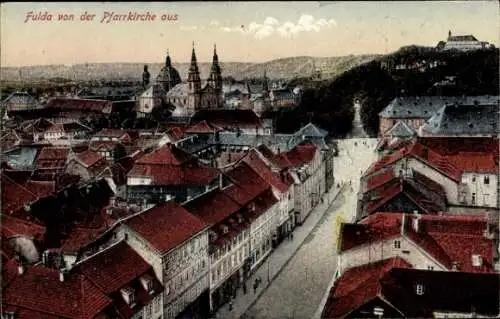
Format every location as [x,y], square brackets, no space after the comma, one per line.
[119,152]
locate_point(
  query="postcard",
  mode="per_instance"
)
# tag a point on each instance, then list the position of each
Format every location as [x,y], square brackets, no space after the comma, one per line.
[315,159]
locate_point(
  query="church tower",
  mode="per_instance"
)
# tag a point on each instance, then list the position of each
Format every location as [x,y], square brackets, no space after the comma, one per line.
[265,84]
[194,86]
[145,77]
[215,78]
[194,80]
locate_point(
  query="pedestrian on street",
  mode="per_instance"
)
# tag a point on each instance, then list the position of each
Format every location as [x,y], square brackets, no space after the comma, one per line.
[230,305]
[245,288]
[291,236]
[255,286]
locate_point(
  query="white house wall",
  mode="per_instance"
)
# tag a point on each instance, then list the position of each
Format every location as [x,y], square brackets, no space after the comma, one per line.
[381,250]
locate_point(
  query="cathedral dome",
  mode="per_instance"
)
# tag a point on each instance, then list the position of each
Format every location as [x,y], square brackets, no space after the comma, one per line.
[168,76]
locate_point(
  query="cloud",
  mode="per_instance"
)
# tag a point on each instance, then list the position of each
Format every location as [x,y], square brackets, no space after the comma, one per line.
[270,26]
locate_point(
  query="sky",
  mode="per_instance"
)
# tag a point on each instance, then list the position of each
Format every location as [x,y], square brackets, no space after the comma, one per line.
[243,31]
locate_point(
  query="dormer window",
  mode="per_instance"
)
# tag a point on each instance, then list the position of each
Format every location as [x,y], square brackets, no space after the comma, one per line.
[147,283]
[251,207]
[128,294]
[420,289]
[225,229]
[486,180]
[397,244]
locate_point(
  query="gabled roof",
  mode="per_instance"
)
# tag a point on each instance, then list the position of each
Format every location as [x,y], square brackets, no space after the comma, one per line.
[20,98]
[358,286]
[401,187]
[311,130]
[12,227]
[14,196]
[40,290]
[213,207]
[169,165]
[166,226]
[90,158]
[260,167]
[247,184]
[394,282]
[447,239]
[114,268]
[302,154]
[202,127]
[400,129]
[166,155]
[422,153]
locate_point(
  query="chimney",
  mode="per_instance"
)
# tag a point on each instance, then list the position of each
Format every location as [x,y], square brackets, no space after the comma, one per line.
[20,269]
[403,223]
[62,274]
[416,221]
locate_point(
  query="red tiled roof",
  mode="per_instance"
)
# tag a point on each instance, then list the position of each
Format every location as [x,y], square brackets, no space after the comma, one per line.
[301,154]
[228,118]
[253,160]
[14,196]
[80,104]
[41,188]
[449,163]
[107,146]
[90,158]
[79,238]
[53,153]
[12,226]
[247,184]
[357,286]
[376,227]
[40,290]
[202,127]
[455,145]
[114,268]
[213,207]
[401,187]
[166,226]
[447,238]
[180,126]
[175,133]
[169,154]
[170,165]
[379,179]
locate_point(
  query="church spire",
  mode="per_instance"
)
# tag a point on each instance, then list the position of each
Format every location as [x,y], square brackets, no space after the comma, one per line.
[194,64]
[265,85]
[194,74]
[168,62]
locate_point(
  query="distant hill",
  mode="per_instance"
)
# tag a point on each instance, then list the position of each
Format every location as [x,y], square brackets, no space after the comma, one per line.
[284,68]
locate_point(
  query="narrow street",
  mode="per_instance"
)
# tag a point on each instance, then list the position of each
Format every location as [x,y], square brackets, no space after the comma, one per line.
[299,289]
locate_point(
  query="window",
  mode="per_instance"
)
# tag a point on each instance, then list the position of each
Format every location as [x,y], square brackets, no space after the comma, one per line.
[486,180]
[420,289]
[473,198]
[473,179]
[430,267]
[397,244]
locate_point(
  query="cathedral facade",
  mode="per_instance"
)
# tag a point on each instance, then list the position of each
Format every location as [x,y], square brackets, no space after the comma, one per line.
[192,96]
[187,97]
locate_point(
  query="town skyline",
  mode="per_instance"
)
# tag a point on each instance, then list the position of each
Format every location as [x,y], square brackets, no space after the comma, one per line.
[243,32]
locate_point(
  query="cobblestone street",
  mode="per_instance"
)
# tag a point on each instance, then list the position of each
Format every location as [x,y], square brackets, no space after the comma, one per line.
[300,288]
